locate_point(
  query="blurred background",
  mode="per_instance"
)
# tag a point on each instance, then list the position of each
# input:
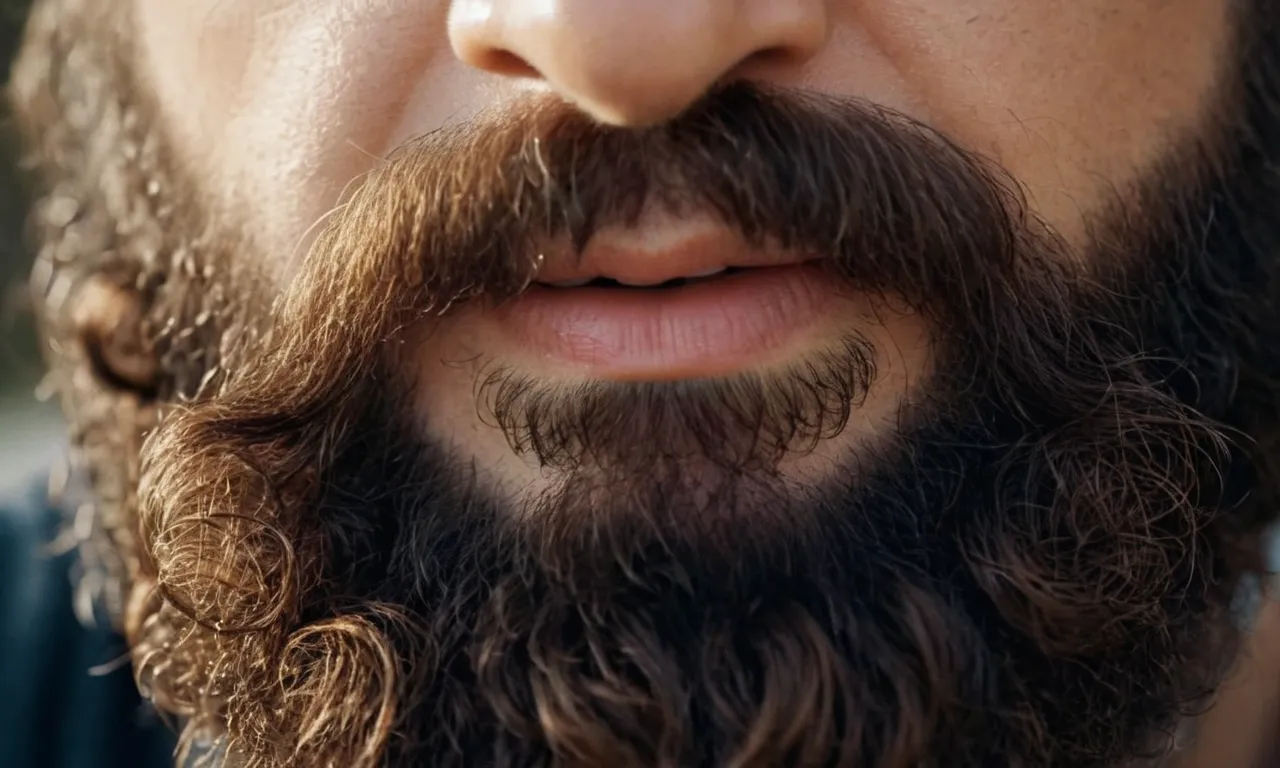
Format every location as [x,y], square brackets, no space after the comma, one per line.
[30,434]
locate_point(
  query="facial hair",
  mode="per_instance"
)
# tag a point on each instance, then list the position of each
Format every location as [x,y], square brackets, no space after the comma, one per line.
[1038,571]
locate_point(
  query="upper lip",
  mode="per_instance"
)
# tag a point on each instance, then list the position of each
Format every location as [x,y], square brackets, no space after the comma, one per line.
[698,255]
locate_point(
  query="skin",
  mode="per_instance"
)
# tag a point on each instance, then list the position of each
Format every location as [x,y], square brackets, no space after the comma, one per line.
[1239,730]
[296,100]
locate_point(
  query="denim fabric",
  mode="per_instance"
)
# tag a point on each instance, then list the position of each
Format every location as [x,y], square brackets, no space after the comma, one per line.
[1256,590]
[67,699]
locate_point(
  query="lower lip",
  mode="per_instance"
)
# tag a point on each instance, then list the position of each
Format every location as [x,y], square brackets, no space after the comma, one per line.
[708,328]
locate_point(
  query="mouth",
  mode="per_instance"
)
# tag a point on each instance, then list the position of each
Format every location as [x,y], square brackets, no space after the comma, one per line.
[675,282]
[662,305]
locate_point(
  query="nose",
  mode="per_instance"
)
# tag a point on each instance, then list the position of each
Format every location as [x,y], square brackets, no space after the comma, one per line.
[636,62]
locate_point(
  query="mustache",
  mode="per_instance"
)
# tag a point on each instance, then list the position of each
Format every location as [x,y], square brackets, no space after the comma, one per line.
[894,206]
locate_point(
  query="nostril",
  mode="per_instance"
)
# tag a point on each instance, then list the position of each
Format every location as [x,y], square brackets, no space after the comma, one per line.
[500,61]
[768,62]
[773,55]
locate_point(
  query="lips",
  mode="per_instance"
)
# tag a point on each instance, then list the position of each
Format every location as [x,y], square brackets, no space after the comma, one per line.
[604,281]
[660,251]
[668,303]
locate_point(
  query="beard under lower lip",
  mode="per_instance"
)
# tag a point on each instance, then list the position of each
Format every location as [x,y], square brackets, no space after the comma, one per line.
[743,422]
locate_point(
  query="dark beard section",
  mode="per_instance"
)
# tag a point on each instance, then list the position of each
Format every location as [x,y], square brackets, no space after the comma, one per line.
[1037,570]
[745,423]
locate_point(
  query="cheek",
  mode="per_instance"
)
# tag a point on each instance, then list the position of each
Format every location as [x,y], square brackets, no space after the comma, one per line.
[1072,97]
[279,106]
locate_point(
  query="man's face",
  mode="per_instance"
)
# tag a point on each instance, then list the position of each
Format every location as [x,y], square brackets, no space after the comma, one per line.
[604,382]
[280,108]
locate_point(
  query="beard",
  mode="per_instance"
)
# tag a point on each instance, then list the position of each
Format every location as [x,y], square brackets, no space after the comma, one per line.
[1038,567]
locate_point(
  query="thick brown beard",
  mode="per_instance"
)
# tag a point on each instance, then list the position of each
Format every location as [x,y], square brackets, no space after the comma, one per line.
[1041,575]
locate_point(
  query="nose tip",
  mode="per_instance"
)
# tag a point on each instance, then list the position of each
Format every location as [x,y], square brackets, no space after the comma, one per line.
[635,62]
